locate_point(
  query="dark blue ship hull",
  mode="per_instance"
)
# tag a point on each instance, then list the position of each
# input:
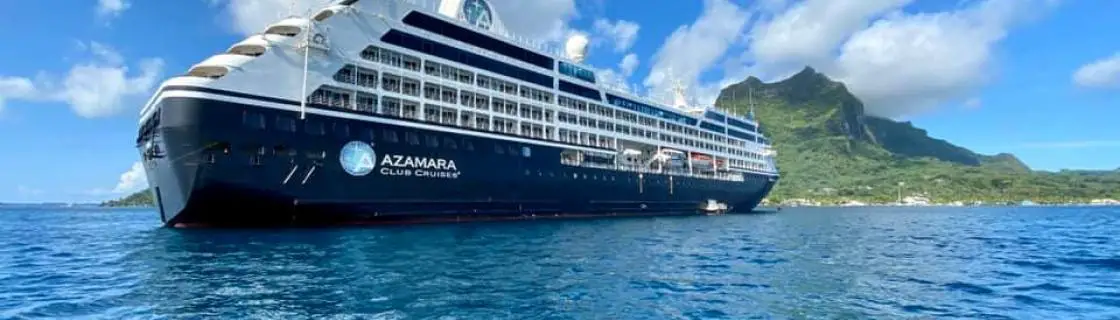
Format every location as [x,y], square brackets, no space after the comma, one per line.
[241,161]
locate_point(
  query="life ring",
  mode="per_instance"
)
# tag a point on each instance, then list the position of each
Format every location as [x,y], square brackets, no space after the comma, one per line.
[319,39]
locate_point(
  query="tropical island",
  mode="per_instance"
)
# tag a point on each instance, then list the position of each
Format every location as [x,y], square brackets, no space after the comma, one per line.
[142,198]
[831,153]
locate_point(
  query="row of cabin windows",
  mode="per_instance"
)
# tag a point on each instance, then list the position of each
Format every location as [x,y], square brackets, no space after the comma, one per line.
[368,78]
[646,109]
[418,44]
[579,90]
[343,130]
[714,142]
[363,77]
[718,118]
[374,54]
[448,94]
[575,71]
[586,139]
[446,29]
[743,125]
[748,164]
[448,116]
[448,72]
[391,58]
[337,98]
[437,92]
[684,182]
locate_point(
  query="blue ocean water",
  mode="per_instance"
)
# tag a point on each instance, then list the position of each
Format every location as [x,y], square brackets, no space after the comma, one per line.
[839,263]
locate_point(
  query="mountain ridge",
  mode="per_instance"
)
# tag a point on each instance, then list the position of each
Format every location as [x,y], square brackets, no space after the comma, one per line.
[829,147]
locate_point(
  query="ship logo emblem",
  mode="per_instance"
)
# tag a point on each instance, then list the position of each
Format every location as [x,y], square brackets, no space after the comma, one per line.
[357,158]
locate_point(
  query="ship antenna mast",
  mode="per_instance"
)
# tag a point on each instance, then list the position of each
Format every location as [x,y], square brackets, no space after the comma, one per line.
[306,57]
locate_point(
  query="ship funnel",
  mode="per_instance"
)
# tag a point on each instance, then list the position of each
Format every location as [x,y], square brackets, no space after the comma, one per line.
[576,47]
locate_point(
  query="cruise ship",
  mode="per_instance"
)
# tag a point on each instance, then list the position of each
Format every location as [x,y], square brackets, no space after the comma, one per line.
[407,111]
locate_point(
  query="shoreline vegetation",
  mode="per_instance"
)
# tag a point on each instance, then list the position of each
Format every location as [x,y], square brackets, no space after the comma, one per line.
[830,152]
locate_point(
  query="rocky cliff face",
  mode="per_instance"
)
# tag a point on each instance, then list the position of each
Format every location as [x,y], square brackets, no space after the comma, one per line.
[822,108]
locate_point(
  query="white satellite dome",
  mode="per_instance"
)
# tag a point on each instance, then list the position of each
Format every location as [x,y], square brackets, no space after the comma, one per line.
[576,47]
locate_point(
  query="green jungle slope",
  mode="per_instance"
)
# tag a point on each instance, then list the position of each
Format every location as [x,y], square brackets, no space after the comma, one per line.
[829,150]
[143,198]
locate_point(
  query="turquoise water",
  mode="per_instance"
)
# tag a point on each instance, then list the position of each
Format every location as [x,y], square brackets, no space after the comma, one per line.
[846,263]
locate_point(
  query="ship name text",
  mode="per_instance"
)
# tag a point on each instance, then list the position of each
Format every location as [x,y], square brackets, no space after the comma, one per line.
[422,167]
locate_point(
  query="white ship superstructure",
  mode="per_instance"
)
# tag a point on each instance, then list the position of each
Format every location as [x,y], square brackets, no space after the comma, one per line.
[451,67]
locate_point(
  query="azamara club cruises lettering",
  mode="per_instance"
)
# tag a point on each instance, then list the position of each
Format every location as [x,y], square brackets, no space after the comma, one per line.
[408,166]
[357,158]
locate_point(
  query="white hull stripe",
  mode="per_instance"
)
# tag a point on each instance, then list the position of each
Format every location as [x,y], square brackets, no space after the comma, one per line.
[345,115]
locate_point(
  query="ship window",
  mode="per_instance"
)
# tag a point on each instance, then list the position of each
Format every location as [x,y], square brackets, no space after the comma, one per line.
[432,141]
[252,120]
[441,50]
[368,134]
[526,151]
[284,30]
[574,71]
[285,124]
[314,127]
[512,151]
[467,144]
[736,123]
[390,136]
[580,90]
[450,143]
[498,149]
[412,138]
[452,31]
[342,130]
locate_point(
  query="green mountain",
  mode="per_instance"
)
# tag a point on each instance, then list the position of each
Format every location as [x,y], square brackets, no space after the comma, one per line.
[829,149]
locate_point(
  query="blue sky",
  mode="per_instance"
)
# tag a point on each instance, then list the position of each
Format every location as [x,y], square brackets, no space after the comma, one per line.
[1037,78]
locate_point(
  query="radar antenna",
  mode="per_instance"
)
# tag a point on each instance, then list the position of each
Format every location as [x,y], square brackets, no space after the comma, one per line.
[678,89]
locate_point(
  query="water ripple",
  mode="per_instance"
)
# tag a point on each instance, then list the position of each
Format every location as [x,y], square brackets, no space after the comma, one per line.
[879,263]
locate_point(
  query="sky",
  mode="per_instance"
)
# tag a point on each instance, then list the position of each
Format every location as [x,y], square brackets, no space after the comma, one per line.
[1036,78]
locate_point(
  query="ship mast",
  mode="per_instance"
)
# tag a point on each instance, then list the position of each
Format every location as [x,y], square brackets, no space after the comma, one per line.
[306,58]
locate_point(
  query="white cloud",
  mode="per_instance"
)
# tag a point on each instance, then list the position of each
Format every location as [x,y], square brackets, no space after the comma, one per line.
[111,8]
[622,33]
[252,16]
[808,32]
[546,20]
[693,49]
[628,64]
[906,64]
[14,88]
[132,180]
[1103,73]
[95,88]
